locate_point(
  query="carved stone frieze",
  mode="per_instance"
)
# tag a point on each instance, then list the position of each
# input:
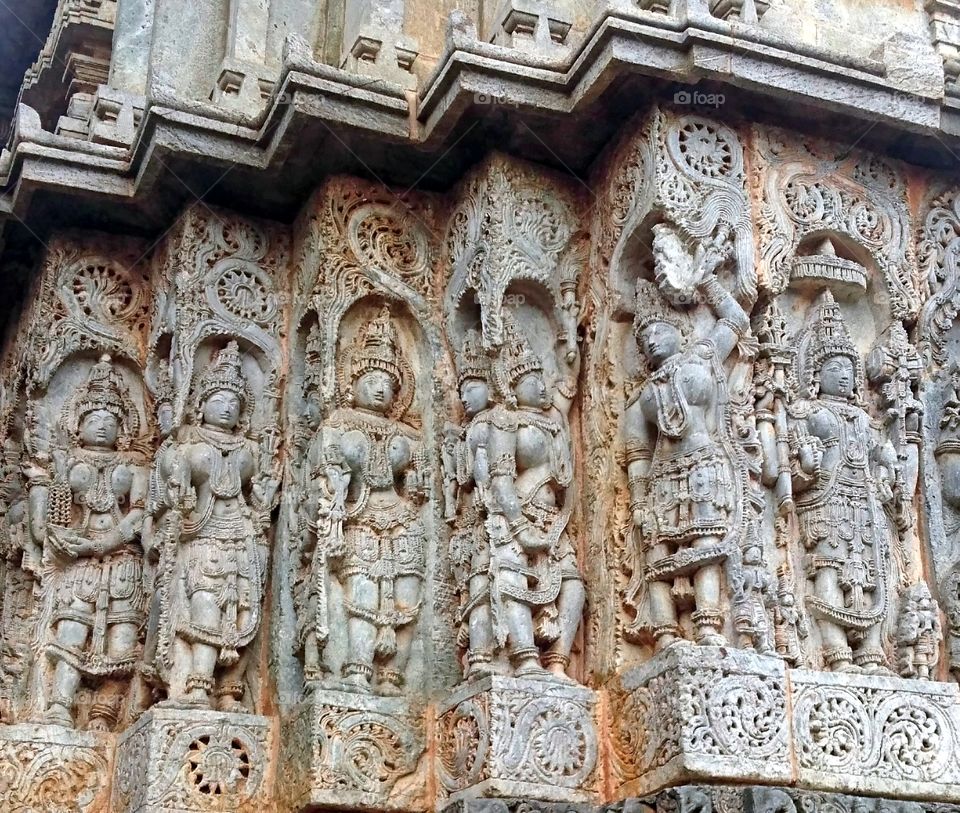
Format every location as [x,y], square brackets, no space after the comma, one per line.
[346,749]
[193,761]
[704,712]
[50,768]
[507,737]
[860,733]
[824,212]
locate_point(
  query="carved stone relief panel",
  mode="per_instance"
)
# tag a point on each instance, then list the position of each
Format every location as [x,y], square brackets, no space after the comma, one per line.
[937,337]
[216,345]
[673,274]
[838,415]
[512,313]
[364,624]
[86,446]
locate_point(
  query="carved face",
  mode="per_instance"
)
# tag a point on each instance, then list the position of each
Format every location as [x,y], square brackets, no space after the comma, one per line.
[374,390]
[474,395]
[658,342]
[531,390]
[222,410]
[751,556]
[99,428]
[837,377]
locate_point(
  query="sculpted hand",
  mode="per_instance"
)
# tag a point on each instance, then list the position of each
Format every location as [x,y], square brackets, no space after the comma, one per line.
[884,490]
[66,544]
[811,457]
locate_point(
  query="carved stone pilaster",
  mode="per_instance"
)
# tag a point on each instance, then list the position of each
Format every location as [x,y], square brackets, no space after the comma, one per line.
[348,750]
[41,766]
[699,712]
[191,761]
[509,737]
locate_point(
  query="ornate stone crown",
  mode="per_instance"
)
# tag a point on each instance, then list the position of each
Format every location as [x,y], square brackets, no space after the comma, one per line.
[516,357]
[830,336]
[472,361]
[104,389]
[375,348]
[652,306]
[225,373]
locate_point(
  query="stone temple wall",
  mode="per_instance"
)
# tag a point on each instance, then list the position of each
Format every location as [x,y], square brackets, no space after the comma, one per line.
[557,408]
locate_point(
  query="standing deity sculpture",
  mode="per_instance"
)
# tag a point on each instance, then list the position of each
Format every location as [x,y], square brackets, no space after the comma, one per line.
[536,593]
[370,479]
[844,477]
[754,596]
[467,475]
[681,462]
[216,493]
[86,511]
[918,634]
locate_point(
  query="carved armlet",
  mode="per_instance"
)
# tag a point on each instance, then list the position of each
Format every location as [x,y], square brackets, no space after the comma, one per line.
[503,466]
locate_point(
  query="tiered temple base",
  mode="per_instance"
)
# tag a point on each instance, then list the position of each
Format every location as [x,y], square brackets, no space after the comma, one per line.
[511,737]
[191,761]
[352,751]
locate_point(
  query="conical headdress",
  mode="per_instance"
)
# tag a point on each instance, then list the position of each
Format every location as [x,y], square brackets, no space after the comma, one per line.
[375,348]
[472,361]
[104,389]
[830,336]
[225,373]
[652,306]
[516,357]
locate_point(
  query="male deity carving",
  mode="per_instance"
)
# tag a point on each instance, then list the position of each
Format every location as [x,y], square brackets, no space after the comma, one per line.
[536,592]
[467,476]
[86,510]
[918,634]
[843,477]
[372,479]
[217,491]
[683,481]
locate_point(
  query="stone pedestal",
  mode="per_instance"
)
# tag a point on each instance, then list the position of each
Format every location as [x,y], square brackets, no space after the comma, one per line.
[191,760]
[876,735]
[516,737]
[54,769]
[346,750]
[699,713]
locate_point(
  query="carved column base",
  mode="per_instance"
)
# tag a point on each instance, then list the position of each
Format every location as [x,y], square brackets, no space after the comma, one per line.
[352,751]
[193,760]
[874,734]
[706,713]
[50,768]
[512,737]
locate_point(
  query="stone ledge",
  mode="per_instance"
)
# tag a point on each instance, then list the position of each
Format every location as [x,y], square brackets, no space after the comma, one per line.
[867,734]
[715,714]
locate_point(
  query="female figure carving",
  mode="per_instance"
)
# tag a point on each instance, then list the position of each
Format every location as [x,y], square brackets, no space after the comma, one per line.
[85,523]
[372,481]
[683,479]
[217,495]
[536,590]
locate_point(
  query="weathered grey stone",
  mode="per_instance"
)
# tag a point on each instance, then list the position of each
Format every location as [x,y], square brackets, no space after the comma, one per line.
[518,737]
[193,760]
